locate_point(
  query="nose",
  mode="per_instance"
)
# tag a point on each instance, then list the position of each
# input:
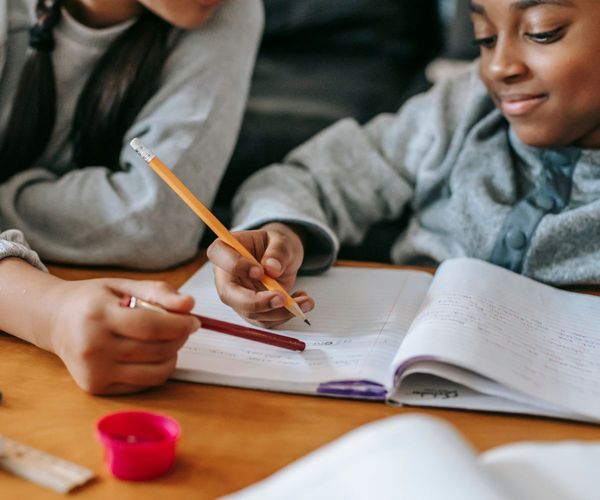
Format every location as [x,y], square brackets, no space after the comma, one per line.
[506,63]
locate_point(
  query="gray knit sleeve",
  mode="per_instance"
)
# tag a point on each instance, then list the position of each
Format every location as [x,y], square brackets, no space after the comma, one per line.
[351,176]
[130,217]
[13,244]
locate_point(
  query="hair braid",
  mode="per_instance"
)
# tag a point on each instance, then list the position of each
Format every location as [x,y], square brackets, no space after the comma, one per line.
[123,80]
[32,116]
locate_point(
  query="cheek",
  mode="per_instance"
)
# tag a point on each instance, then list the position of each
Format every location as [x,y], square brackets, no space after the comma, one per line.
[483,74]
[577,89]
[572,74]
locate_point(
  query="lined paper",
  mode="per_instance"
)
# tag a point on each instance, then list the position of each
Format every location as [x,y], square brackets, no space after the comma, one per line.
[533,338]
[360,319]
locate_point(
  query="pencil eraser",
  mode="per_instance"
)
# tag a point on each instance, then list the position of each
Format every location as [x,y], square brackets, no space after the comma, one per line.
[138,445]
[141,150]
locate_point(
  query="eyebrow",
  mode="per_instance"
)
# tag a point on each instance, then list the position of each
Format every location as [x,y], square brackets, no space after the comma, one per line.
[523,5]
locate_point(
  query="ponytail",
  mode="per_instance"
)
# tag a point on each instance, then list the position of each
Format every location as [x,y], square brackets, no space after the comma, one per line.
[123,80]
[31,120]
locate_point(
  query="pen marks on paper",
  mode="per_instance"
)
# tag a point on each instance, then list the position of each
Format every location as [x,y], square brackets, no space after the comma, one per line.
[429,393]
[520,343]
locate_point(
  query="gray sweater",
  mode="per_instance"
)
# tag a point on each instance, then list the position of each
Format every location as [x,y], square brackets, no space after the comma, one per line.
[474,189]
[131,218]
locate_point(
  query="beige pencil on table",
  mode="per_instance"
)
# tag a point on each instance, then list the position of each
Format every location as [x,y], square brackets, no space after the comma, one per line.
[211,221]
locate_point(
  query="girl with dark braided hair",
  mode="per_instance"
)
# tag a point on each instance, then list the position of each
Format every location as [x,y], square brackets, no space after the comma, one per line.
[78,80]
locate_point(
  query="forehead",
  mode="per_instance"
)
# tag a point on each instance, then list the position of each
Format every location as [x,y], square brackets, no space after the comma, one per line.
[480,6]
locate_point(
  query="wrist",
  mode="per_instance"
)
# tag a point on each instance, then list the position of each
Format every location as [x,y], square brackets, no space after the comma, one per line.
[48,313]
[24,308]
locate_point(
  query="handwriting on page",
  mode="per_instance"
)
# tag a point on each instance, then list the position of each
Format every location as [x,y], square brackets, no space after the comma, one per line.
[435,393]
[548,354]
[354,334]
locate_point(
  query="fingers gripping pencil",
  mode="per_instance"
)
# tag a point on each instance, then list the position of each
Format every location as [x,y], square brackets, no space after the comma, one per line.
[211,221]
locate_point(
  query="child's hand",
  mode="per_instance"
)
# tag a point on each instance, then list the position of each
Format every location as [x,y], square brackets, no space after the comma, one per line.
[279,250]
[111,349]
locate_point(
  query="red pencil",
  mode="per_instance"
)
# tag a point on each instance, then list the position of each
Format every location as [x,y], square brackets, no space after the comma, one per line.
[216,325]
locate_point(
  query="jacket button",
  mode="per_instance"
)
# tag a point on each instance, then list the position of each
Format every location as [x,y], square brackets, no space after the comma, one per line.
[544,201]
[516,239]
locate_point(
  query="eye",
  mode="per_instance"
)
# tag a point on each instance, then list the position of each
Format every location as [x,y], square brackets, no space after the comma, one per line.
[546,36]
[486,42]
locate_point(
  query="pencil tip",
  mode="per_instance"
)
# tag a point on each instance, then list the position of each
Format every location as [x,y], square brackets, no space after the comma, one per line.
[307,322]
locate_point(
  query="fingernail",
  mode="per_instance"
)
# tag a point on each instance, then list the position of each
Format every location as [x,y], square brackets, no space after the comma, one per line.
[255,273]
[274,264]
[305,306]
[276,302]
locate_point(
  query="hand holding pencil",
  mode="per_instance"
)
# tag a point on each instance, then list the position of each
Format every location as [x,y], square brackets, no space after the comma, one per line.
[280,252]
[216,325]
[246,276]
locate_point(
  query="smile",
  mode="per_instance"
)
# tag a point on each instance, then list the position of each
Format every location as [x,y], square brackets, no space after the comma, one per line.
[520,104]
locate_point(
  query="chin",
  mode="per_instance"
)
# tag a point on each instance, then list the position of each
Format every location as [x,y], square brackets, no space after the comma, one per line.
[539,137]
[192,20]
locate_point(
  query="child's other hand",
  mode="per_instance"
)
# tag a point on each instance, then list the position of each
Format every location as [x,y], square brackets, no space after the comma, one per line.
[111,349]
[279,250]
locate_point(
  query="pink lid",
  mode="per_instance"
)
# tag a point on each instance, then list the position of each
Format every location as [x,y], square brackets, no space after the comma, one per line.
[138,445]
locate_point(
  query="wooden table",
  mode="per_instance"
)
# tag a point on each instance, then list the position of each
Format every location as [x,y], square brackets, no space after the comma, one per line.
[231,437]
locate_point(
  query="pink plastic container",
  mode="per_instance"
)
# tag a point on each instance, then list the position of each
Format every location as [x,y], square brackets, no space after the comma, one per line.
[138,445]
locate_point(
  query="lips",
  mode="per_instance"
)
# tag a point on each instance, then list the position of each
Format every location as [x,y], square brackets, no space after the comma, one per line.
[520,104]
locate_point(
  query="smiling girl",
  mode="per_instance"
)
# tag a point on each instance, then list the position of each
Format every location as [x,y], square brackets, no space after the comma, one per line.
[501,163]
[537,62]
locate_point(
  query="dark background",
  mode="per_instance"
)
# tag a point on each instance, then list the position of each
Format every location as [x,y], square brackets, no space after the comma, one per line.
[323,60]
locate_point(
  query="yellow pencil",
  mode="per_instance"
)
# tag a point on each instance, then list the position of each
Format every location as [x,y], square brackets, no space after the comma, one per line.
[211,221]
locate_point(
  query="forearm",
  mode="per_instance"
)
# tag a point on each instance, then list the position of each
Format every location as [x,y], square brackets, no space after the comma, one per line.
[25,301]
[337,185]
[285,195]
[93,216]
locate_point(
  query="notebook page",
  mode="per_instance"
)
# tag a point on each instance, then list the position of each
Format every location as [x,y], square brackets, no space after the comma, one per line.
[566,470]
[442,385]
[358,324]
[530,337]
[407,457]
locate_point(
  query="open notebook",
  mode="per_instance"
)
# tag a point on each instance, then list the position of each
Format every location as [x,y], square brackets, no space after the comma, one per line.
[421,458]
[473,336]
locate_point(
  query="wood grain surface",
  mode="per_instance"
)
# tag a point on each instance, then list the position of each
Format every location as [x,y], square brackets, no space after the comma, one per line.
[231,437]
